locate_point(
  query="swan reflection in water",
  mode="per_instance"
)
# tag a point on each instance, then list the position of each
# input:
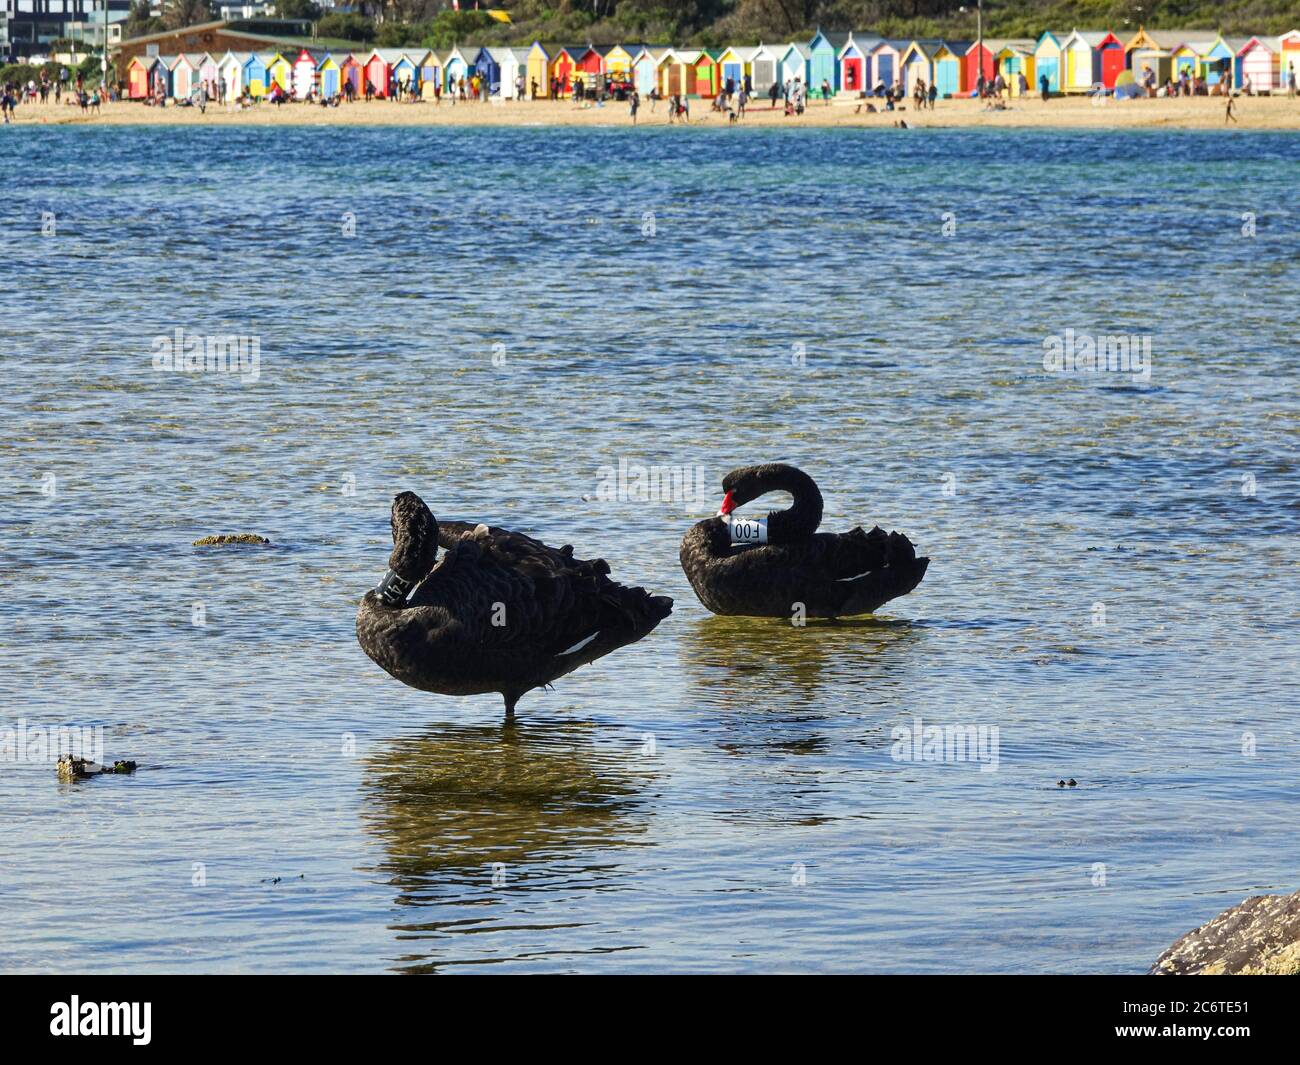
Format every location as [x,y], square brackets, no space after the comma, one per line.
[483,824]
[767,693]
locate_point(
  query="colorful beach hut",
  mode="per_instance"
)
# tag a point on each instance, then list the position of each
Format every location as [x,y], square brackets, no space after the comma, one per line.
[1288,59]
[138,76]
[254,75]
[765,68]
[514,66]
[1155,60]
[917,63]
[406,72]
[305,65]
[795,62]
[1217,60]
[487,65]
[455,65]
[430,73]
[645,69]
[885,62]
[851,67]
[735,64]
[1092,57]
[1013,58]
[1260,63]
[708,73]
[352,71]
[671,72]
[618,61]
[564,67]
[1047,62]
[230,72]
[183,74]
[822,64]
[1187,58]
[950,67]
[539,70]
[279,71]
[328,76]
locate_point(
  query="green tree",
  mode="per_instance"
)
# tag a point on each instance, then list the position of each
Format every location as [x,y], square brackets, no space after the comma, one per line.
[140,21]
[348,27]
[298,9]
[180,13]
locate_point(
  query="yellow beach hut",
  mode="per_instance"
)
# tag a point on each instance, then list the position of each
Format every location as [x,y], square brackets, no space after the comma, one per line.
[618,62]
[1188,58]
[280,71]
[539,71]
[1047,62]
[430,73]
[1012,59]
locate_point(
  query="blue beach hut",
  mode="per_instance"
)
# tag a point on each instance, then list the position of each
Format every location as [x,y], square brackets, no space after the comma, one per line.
[822,65]
[488,67]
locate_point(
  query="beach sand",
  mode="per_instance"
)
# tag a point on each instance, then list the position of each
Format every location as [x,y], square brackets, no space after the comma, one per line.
[1276,112]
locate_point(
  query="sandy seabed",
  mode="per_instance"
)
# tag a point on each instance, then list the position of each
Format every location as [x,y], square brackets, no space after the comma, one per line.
[1259,112]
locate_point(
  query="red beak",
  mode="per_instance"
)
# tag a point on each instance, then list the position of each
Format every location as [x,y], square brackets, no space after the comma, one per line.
[728,504]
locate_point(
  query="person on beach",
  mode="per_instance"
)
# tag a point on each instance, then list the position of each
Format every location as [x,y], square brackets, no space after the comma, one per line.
[773,91]
[533,92]
[634,102]
[1228,116]
[742,98]
[1290,81]
[826,91]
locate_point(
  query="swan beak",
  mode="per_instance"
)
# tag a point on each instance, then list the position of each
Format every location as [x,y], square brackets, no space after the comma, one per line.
[728,505]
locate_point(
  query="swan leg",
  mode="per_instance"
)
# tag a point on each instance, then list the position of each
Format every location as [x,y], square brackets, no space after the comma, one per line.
[511,698]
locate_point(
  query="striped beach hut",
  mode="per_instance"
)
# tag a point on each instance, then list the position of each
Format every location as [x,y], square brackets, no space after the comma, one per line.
[822,65]
[950,67]
[1288,60]
[1047,62]
[1261,63]
[230,71]
[539,70]
[795,62]
[1092,57]
[305,65]
[1013,58]
[208,73]
[917,63]
[765,68]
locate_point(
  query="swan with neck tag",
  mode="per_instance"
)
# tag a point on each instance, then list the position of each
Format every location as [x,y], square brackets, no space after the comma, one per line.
[499,612]
[787,568]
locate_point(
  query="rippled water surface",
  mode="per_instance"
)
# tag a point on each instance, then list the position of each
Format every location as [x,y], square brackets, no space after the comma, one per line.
[1105,590]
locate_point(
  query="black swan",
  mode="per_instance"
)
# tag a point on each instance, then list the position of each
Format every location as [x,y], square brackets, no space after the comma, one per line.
[781,565]
[501,612]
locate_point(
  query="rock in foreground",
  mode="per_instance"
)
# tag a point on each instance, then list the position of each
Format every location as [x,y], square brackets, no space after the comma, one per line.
[231,538]
[1258,937]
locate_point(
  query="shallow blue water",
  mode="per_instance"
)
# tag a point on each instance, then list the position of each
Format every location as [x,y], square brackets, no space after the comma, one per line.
[722,795]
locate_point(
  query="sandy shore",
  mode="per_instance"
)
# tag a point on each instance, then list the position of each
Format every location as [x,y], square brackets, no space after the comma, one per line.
[1260,112]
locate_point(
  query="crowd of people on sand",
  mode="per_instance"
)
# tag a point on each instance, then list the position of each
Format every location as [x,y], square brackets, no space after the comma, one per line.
[63,88]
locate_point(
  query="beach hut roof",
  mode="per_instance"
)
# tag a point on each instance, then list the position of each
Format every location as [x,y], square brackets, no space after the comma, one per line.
[927,46]
[239,57]
[1093,38]
[802,49]
[744,53]
[520,54]
[835,39]
[1240,44]
[955,47]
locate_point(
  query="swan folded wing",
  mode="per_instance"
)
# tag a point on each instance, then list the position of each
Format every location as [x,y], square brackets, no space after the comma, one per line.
[509,591]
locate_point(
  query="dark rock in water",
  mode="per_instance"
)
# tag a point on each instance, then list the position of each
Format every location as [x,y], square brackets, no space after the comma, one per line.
[70,768]
[1259,937]
[231,538]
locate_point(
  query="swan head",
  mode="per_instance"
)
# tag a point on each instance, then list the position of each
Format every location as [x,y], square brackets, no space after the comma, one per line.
[415,546]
